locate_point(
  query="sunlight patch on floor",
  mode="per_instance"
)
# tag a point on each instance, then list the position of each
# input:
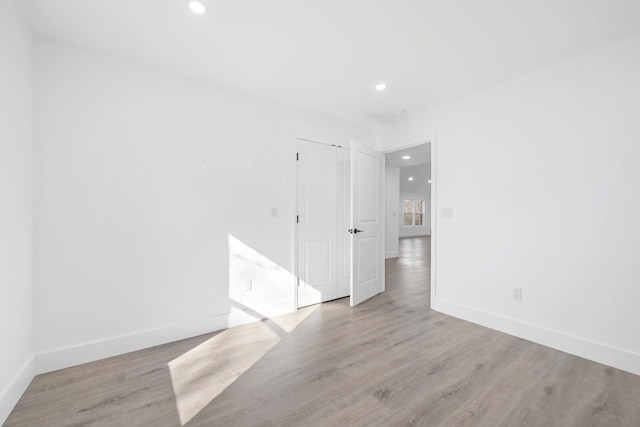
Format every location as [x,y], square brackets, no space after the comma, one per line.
[204,372]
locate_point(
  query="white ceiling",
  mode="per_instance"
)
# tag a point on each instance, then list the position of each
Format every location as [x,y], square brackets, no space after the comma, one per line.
[327,55]
[418,167]
[421,175]
[420,154]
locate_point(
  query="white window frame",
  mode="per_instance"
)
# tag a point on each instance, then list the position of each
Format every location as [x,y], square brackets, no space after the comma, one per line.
[413,212]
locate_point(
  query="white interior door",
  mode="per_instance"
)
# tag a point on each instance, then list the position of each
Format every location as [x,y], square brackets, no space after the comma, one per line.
[316,223]
[367,255]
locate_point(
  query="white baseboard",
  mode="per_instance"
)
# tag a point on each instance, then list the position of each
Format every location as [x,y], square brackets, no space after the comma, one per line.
[414,235]
[588,349]
[10,395]
[395,254]
[95,350]
[239,317]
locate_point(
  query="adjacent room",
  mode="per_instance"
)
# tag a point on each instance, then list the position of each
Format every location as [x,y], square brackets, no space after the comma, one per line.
[355,213]
[407,197]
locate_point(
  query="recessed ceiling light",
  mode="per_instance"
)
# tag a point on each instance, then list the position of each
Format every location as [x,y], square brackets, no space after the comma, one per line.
[380,87]
[197,7]
[429,181]
[406,157]
[410,178]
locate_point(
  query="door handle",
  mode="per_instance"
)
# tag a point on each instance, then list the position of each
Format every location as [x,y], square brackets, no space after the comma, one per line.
[355,231]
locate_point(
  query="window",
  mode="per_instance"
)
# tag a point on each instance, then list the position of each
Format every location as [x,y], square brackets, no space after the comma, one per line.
[418,211]
[413,211]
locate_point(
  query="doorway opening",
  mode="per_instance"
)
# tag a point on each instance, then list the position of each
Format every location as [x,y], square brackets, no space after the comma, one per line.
[409,206]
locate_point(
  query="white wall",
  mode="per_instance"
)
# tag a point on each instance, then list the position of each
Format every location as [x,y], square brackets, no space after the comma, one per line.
[542,175]
[392,192]
[415,230]
[154,198]
[16,255]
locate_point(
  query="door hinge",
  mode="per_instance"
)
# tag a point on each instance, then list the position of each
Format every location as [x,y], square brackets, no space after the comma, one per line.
[297,156]
[297,219]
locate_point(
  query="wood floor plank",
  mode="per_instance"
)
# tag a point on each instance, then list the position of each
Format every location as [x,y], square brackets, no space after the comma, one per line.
[390,361]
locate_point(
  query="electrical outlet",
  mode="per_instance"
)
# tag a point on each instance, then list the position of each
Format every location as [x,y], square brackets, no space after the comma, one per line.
[517,294]
[248,285]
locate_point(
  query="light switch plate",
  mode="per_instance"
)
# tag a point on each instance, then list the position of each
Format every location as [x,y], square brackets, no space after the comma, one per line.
[447,213]
[517,294]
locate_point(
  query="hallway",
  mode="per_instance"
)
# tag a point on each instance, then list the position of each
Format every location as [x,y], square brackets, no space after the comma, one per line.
[390,361]
[411,271]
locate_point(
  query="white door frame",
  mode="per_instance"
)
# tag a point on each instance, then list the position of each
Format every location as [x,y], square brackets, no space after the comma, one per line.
[434,187]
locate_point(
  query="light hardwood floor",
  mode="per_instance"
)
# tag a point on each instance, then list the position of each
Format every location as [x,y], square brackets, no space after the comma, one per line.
[390,361]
